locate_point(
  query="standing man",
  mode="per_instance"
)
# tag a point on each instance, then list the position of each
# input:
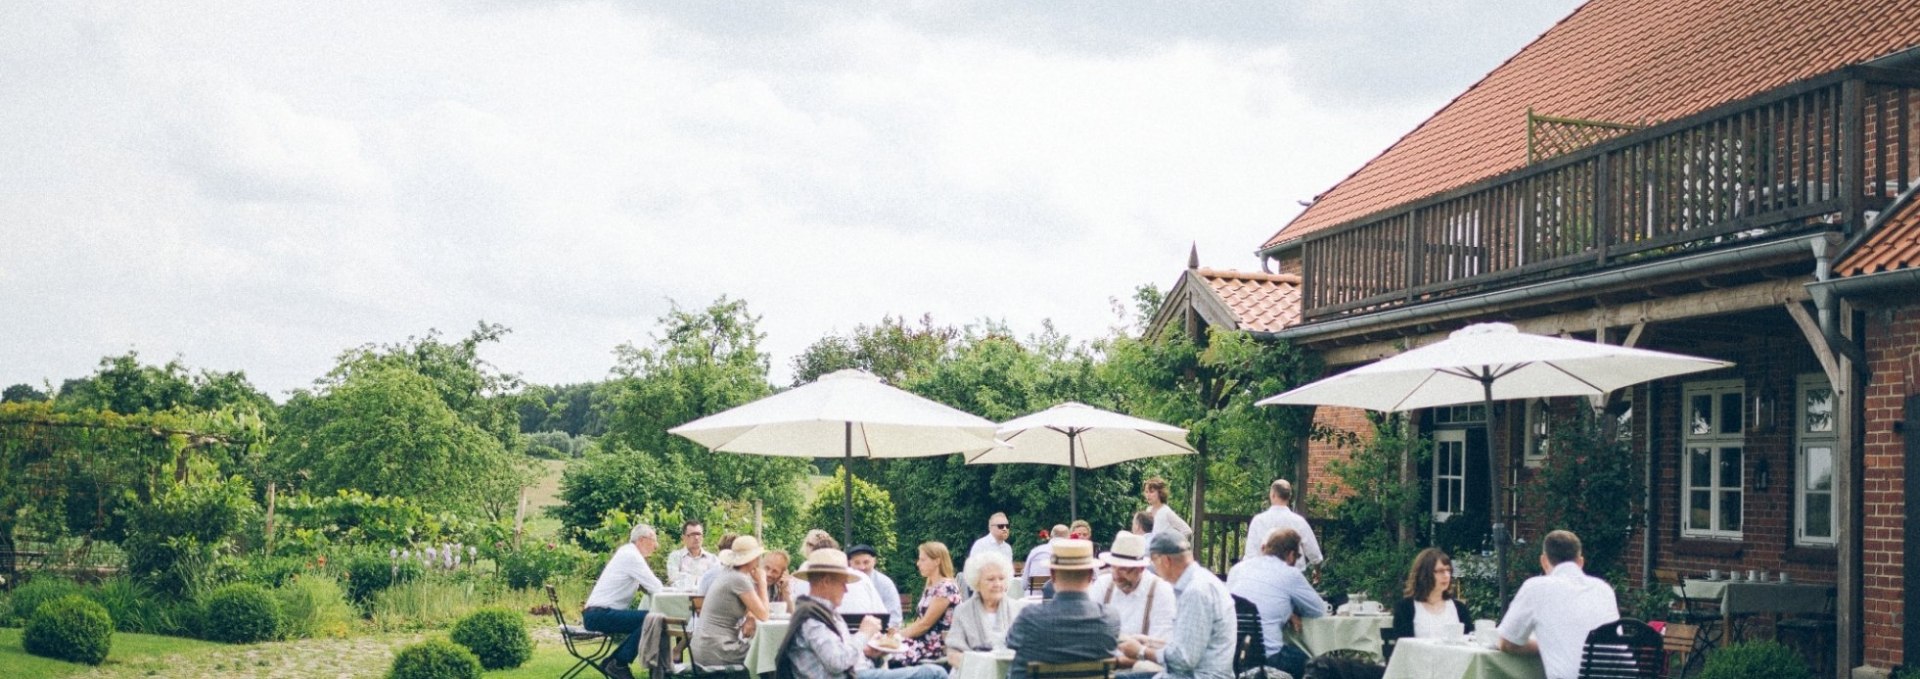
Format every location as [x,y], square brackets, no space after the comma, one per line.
[1278,588]
[1070,627]
[996,538]
[1203,622]
[1144,602]
[818,644]
[863,558]
[686,564]
[1281,515]
[610,605]
[1558,609]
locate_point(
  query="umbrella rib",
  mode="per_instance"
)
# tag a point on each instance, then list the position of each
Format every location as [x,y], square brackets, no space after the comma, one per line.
[866,443]
[1416,389]
[1596,388]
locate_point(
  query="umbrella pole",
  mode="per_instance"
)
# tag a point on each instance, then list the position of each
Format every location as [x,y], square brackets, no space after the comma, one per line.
[1073,482]
[846,465]
[1497,507]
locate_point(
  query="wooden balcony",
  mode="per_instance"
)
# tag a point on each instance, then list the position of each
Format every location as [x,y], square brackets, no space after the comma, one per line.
[1816,155]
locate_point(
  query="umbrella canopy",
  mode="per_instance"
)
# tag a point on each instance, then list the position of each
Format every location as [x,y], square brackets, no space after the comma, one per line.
[1080,436]
[1486,362]
[847,414]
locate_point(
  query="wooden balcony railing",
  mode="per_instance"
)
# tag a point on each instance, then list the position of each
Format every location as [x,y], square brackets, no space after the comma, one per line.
[1810,156]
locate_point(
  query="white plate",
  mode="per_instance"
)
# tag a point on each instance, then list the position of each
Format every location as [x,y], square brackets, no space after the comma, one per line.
[883,649]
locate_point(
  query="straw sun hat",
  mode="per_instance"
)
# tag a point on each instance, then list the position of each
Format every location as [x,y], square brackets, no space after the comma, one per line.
[745,549]
[828,561]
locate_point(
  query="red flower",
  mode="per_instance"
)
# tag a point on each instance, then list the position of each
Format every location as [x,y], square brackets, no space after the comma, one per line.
[1045,534]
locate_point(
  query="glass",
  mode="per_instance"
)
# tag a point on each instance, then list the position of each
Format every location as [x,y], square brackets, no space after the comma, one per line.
[1729,510]
[1730,468]
[1700,467]
[1819,410]
[1700,417]
[1700,511]
[1819,471]
[1731,413]
[1819,520]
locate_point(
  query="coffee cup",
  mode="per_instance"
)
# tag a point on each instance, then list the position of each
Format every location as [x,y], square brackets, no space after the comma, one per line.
[1783,577]
[1753,576]
[1451,631]
[1713,574]
[778,609]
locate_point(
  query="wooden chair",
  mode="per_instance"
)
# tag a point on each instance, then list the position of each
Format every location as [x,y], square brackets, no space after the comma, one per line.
[1249,641]
[1622,649]
[693,605]
[676,641]
[1682,641]
[1702,613]
[1091,669]
[587,647]
[1038,584]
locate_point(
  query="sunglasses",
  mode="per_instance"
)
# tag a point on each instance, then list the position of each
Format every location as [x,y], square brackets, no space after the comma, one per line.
[1001,526]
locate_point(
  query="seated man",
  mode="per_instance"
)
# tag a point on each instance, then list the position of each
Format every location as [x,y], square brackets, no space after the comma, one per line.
[1070,627]
[1558,609]
[1144,602]
[1040,557]
[1274,583]
[1204,625]
[686,565]
[818,645]
[864,559]
[610,605]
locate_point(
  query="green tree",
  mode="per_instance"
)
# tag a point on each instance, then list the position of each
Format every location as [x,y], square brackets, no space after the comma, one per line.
[476,391]
[22,393]
[873,512]
[123,384]
[1591,483]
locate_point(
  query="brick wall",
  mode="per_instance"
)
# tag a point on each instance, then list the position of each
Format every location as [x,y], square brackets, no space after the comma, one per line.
[1893,354]
[1322,486]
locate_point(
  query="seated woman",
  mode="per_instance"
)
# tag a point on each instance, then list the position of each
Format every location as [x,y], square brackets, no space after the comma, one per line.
[926,638]
[736,601]
[1430,601]
[980,623]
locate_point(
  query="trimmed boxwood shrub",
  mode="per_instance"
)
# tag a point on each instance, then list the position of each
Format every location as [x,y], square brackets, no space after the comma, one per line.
[435,659]
[241,613]
[71,628]
[370,573]
[36,591]
[495,635]
[1755,660]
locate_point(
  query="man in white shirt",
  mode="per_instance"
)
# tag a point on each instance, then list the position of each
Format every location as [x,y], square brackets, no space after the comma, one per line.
[686,564]
[996,538]
[864,559]
[1558,609]
[610,605]
[1145,603]
[1040,558]
[1281,515]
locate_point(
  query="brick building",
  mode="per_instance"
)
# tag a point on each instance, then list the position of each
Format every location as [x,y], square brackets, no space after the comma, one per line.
[1722,178]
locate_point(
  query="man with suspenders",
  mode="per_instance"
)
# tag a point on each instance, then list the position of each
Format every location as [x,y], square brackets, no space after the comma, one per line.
[1144,602]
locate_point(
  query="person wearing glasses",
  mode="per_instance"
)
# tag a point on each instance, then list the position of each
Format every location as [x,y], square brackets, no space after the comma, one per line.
[998,530]
[686,564]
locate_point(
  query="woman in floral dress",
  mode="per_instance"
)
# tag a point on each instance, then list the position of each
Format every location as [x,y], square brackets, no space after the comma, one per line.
[926,639]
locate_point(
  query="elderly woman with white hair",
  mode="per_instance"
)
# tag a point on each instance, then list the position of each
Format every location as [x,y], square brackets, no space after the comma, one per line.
[980,623]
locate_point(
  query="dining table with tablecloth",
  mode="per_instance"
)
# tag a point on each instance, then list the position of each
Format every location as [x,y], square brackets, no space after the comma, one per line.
[1336,632]
[763,651]
[672,603]
[1416,658]
[1768,597]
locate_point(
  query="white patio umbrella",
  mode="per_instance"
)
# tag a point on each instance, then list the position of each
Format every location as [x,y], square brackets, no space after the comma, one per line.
[1486,362]
[1080,436]
[846,414]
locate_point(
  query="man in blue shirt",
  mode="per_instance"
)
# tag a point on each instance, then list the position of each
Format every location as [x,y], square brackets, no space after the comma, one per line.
[1277,587]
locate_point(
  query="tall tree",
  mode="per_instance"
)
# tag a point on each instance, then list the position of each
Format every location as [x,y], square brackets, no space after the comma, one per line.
[22,393]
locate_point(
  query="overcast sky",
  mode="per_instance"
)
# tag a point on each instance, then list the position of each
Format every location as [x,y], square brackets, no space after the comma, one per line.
[257,186]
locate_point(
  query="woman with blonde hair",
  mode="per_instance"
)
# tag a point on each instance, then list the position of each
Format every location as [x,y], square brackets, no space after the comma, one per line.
[981,623]
[1164,518]
[926,638]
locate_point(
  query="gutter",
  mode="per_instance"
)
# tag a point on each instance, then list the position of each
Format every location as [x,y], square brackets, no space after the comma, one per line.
[1902,280]
[1618,277]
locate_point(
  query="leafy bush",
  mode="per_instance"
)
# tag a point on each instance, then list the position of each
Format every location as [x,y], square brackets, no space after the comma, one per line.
[242,613]
[133,606]
[535,565]
[369,573]
[435,659]
[352,517]
[1591,483]
[173,541]
[28,597]
[314,606]
[873,511]
[71,628]
[1755,660]
[496,635]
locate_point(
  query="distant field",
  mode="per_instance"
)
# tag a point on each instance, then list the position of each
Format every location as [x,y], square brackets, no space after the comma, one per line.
[546,491]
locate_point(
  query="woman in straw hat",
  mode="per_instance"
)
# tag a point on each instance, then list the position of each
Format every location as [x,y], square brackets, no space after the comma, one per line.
[736,601]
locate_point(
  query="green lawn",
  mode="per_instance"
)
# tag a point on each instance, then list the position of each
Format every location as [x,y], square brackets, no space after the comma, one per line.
[140,652]
[144,655]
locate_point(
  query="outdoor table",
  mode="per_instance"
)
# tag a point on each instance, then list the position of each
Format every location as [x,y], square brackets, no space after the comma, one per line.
[764,651]
[1415,658]
[1766,598]
[1333,632]
[985,665]
[670,603]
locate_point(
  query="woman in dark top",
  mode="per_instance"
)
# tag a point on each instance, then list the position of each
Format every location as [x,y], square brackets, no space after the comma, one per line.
[1431,599]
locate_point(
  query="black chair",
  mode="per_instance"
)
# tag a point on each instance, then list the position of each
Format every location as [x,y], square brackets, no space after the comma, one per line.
[1623,649]
[1091,669]
[587,647]
[1249,641]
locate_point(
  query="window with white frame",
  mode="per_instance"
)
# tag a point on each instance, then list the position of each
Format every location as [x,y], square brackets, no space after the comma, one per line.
[1814,434]
[1449,473]
[1539,432]
[1714,462]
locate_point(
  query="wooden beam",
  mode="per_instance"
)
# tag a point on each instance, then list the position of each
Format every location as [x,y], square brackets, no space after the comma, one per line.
[1760,295]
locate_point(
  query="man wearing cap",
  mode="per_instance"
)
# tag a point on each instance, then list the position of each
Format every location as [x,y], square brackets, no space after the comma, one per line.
[1070,627]
[1277,587]
[1203,621]
[863,558]
[686,564]
[818,644]
[1281,515]
[1144,602]
[610,605]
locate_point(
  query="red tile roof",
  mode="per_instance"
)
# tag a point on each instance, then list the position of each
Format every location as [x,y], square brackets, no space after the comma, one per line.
[1894,244]
[1624,61]
[1261,302]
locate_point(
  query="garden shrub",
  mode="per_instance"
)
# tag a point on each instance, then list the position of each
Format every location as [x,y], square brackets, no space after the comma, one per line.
[435,659]
[538,564]
[242,613]
[28,597]
[314,606]
[133,606]
[369,573]
[495,635]
[71,628]
[173,542]
[1755,660]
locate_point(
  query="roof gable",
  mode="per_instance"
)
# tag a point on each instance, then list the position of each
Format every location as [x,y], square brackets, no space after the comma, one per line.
[1627,61]
[1236,300]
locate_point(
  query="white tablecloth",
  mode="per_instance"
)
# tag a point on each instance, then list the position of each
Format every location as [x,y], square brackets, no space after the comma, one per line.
[675,604]
[1415,658]
[984,665]
[1333,632]
[764,651]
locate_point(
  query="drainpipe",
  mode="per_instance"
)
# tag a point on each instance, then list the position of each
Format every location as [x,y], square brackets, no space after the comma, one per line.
[1823,297]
